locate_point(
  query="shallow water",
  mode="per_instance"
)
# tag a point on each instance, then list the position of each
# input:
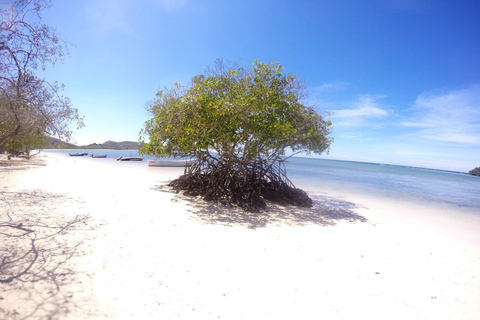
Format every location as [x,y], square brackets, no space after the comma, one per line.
[451,190]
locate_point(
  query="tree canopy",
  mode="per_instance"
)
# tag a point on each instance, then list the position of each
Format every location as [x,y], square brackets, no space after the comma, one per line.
[237,123]
[30,107]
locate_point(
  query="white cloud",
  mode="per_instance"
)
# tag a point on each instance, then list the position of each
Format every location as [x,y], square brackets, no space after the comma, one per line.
[448,117]
[365,111]
[441,130]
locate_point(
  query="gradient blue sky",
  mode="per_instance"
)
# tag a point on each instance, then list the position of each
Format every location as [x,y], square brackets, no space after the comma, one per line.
[401,78]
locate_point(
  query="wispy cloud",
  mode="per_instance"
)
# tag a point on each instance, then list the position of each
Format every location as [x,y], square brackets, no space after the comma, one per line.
[366,111]
[329,87]
[105,17]
[448,117]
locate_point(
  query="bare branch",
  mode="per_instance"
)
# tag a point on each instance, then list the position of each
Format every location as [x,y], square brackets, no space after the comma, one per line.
[34,105]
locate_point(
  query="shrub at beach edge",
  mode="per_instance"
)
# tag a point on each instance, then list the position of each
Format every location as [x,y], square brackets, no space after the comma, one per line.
[475,172]
[237,124]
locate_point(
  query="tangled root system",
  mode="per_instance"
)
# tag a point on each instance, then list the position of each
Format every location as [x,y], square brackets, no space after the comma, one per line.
[248,187]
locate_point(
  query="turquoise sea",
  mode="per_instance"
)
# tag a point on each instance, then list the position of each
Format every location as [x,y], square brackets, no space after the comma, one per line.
[449,190]
[452,191]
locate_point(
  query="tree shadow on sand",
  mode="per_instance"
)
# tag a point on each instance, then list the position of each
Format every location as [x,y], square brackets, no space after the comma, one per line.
[18,163]
[326,211]
[41,240]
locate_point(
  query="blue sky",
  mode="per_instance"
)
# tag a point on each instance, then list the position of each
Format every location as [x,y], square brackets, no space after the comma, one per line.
[401,78]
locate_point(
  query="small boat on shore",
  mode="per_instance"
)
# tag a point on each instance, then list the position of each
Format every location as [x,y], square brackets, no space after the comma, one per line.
[98,156]
[122,158]
[170,163]
[78,154]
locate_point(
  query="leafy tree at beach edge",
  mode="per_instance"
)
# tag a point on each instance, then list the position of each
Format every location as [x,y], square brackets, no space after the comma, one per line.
[31,108]
[237,124]
[475,172]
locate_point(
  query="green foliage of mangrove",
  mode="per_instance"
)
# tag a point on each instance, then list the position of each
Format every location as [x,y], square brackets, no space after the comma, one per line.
[237,123]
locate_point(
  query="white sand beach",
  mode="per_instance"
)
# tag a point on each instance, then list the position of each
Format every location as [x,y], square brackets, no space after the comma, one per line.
[85,240]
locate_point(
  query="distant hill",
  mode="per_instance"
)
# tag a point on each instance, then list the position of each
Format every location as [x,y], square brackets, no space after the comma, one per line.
[54,143]
[475,172]
[124,145]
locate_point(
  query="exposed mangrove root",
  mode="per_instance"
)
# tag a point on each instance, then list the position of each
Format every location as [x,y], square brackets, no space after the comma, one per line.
[248,187]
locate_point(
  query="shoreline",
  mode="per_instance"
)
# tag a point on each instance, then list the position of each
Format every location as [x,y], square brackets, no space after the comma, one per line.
[319,158]
[142,253]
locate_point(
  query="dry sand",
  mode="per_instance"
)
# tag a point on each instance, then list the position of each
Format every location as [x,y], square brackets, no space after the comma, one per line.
[84,240]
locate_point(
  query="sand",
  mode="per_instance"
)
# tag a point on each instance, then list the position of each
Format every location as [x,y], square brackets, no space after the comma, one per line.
[84,240]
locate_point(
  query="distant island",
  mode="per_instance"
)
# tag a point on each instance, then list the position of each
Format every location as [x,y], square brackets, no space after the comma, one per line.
[123,145]
[475,172]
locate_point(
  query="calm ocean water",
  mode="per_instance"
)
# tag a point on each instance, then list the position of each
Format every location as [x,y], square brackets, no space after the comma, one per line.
[450,190]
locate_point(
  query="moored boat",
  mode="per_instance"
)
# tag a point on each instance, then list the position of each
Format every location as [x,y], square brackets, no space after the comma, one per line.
[122,158]
[98,156]
[80,154]
[170,163]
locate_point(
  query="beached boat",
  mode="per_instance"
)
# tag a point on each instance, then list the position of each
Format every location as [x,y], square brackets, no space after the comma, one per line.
[98,156]
[170,163]
[122,158]
[78,154]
